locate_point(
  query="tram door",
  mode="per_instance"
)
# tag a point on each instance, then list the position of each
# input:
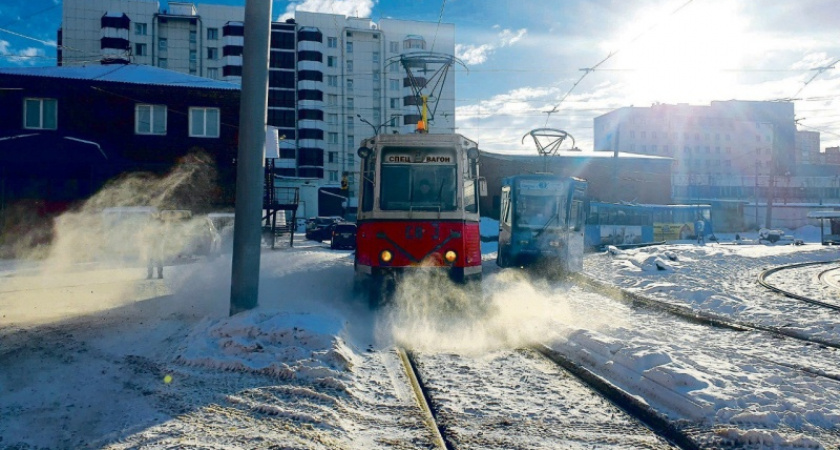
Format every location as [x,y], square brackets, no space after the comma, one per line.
[505,231]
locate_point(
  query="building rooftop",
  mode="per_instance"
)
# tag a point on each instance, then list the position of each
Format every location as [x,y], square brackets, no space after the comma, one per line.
[121,73]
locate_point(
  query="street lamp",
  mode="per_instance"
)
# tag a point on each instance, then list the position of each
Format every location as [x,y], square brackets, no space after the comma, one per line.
[376,128]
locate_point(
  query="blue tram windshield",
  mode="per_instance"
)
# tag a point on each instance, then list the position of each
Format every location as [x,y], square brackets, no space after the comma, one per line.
[418,179]
[538,211]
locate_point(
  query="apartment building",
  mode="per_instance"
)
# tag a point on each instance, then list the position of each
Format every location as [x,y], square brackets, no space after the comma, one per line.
[333,80]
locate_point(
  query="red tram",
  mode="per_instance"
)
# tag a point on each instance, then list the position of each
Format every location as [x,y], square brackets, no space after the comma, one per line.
[418,208]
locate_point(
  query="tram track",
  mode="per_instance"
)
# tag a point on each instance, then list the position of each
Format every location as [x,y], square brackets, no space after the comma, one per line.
[638,411]
[762,280]
[688,314]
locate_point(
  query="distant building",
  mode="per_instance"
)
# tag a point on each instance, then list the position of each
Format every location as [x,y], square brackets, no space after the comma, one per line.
[807,147]
[742,152]
[65,131]
[328,74]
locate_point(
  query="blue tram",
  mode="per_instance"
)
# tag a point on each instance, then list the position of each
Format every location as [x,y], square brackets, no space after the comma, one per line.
[631,225]
[541,222]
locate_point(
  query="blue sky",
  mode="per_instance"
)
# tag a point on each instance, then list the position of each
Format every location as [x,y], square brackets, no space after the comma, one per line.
[524,57]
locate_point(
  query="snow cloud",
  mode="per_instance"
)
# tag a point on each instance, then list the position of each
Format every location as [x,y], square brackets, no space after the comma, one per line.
[478,54]
[352,8]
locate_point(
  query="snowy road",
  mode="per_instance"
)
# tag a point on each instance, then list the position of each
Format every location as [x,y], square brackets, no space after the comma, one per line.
[313,368]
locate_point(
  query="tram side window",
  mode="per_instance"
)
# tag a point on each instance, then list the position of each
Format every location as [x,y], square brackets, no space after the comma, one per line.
[575,215]
[367,184]
[593,217]
[470,196]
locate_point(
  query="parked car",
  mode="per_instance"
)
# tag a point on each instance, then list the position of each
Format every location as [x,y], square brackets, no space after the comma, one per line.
[343,236]
[320,228]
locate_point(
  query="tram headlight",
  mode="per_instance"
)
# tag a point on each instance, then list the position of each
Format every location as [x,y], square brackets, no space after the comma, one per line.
[554,243]
[385,256]
[450,256]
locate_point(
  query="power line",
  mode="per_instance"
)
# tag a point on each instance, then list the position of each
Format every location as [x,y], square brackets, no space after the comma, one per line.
[440,19]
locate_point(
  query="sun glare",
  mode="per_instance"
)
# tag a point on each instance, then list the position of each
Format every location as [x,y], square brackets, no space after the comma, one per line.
[689,56]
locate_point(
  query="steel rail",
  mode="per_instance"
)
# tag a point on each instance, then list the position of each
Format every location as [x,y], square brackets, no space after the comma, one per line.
[762,280]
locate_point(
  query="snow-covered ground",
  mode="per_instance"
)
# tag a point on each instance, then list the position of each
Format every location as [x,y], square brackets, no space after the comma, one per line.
[99,357]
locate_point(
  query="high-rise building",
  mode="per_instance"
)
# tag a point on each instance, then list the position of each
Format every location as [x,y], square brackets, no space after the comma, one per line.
[333,80]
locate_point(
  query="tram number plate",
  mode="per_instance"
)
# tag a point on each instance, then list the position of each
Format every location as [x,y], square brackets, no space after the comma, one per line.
[416,232]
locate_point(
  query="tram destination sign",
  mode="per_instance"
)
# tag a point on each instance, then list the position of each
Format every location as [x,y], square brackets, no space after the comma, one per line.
[541,186]
[419,157]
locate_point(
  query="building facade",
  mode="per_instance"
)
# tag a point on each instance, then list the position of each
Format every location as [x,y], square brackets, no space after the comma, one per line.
[66,131]
[333,80]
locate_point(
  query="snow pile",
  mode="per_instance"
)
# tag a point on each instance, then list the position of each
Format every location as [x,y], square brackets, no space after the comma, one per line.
[288,346]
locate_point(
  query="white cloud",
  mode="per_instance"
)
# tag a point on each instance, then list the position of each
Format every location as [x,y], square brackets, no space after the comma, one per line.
[4,46]
[352,8]
[471,54]
[509,37]
[478,54]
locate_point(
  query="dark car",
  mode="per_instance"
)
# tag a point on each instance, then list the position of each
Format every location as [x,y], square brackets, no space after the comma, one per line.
[343,236]
[320,228]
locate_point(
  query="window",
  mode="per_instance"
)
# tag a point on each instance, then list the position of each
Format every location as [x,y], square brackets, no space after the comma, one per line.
[163,63]
[395,103]
[193,55]
[150,119]
[40,113]
[333,175]
[332,157]
[375,57]
[332,138]
[376,78]
[213,72]
[332,42]
[350,124]
[393,84]
[394,46]
[204,122]
[393,68]
[140,49]
[139,29]
[350,65]
[332,119]
[332,99]
[212,34]
[351,102]
[332,80]
[349,47]
[193,36]
[212,53]
[351,141]
[349,85]
[162,44]
[331,61]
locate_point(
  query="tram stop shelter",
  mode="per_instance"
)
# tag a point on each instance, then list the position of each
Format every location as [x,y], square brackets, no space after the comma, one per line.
[829,226]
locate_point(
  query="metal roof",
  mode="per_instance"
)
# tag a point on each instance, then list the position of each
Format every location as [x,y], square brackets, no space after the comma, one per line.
[121,73]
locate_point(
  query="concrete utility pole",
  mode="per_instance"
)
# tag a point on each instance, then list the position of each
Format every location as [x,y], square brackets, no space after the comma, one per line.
[245,273]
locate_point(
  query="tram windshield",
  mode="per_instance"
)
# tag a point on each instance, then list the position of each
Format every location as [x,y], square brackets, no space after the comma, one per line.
[418,179]
[538,211]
